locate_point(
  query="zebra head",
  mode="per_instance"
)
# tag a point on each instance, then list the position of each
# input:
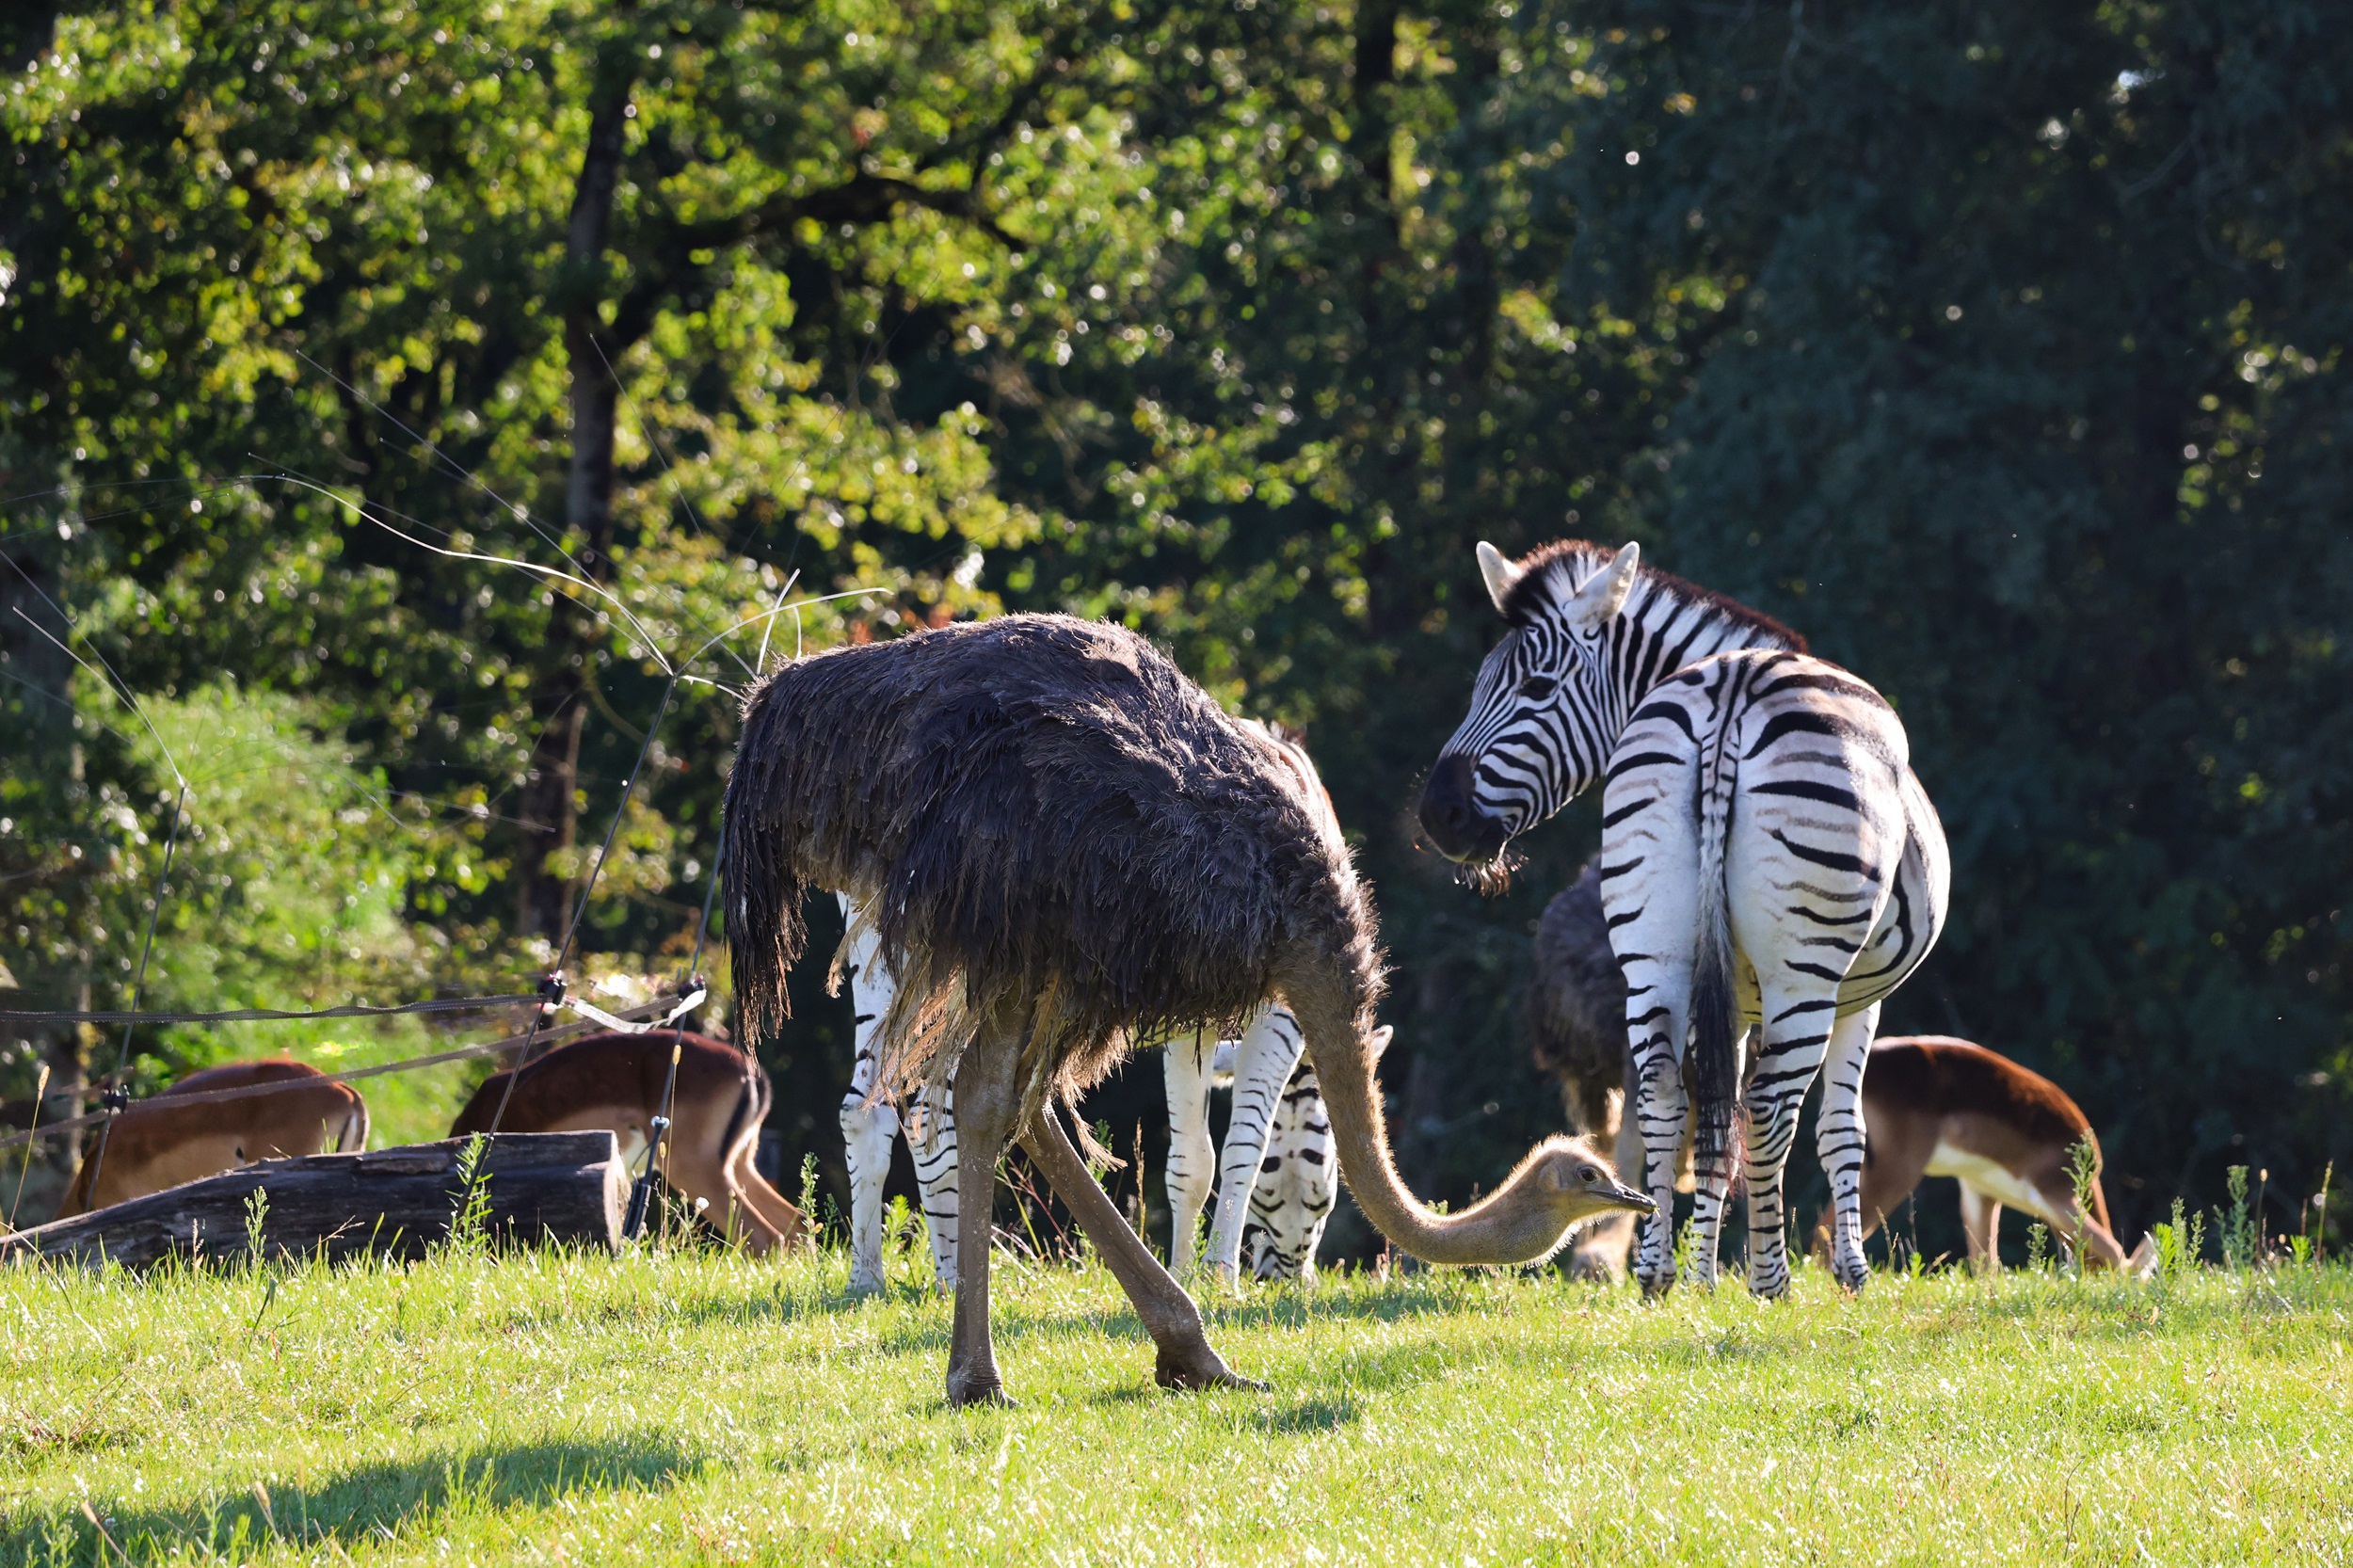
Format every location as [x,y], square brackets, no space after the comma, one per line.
[1544,711]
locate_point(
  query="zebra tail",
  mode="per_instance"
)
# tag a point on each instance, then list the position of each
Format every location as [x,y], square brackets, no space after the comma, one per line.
[1714,1034]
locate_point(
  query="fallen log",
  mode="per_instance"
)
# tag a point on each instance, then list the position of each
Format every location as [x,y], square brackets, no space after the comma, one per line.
[542,1189]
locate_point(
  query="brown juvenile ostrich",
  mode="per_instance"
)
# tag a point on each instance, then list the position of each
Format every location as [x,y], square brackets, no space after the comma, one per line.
[1574,1017]
[1066,846]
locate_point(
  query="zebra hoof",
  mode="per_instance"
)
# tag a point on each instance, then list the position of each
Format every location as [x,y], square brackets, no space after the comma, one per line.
[1654,1287]
[1853,1279]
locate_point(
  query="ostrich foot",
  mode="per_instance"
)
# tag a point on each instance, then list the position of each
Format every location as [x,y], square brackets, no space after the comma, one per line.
[1179,1368]
[987,1389]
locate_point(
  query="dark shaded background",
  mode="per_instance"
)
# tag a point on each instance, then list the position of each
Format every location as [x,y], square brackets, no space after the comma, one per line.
[1997,347]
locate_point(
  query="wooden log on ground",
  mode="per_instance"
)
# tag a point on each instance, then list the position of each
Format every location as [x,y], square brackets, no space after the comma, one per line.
[543,1188]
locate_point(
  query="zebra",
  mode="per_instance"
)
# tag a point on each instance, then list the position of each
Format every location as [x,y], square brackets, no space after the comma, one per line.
[1276,1182]
[1298,1181]
[868,1123]
[1767,859]
[1276,1177]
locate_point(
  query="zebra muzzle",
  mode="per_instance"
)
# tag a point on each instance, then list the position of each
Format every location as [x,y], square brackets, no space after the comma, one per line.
[1451,817]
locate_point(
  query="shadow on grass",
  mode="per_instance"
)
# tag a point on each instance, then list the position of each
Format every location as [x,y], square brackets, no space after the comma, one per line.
[1261,1410]
[1431,1295]
[371,1503]
[1326,1412]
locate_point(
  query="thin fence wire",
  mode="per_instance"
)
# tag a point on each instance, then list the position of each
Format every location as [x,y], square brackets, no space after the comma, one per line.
[132,1018]
[352,1075]
[273,1015]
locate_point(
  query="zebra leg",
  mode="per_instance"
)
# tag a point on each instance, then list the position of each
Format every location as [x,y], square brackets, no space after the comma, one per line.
[1789,1056]
[1711,1195]
[1650,894]
[1839,1139]
[1598,1253]
[1659,1111]
[866,1134]
[1191,1156]
[1263,1066]
[1314,1174]
[867,1125]
[1293,1199]
[932,1141]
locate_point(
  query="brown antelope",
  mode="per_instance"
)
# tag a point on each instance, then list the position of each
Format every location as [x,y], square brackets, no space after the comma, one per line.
[1936,1106]
[613,1081]
[156,1143]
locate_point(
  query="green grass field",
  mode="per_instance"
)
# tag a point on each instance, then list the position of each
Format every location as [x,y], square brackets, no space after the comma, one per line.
[696,1407]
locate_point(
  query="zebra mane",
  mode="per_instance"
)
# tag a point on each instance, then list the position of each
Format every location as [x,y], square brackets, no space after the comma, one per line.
[1553,572]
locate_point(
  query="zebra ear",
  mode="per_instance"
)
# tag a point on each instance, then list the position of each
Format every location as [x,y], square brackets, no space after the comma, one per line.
[1604,594]
[1500,574]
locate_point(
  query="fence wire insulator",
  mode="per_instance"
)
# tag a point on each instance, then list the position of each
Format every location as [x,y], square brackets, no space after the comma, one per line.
[117,1099]
[553,989]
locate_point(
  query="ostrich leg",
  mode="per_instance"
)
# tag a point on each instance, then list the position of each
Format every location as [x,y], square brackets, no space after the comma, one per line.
[987,1099]
[1170,1317]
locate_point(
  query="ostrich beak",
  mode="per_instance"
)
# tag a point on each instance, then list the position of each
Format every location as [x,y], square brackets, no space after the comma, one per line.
[1626,1197]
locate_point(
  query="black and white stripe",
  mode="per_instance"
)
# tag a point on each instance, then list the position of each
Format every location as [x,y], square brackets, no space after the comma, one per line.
[1277,1174]
[869,1124]
[1275,1128]
[1767,860]
[1298,1181]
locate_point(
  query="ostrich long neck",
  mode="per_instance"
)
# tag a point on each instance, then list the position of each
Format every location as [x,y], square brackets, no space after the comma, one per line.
[1511,1225]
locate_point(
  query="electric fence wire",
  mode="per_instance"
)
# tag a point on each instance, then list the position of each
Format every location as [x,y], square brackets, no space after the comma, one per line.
[117,1100]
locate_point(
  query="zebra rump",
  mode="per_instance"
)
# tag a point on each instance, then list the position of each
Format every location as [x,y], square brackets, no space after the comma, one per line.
[1035,806]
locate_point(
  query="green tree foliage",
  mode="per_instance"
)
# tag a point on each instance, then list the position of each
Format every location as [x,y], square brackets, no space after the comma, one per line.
[2028,402]
[1997,350]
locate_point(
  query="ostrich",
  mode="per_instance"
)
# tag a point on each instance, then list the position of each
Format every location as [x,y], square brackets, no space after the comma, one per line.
[1066,846]
[1574,1019]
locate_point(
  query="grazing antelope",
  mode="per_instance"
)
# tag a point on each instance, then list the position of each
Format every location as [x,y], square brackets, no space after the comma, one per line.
[1936,1106]
[613,1081]
[156,1143]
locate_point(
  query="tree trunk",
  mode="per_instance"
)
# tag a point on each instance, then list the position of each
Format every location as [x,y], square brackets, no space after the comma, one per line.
[36,711]
[551,804]
[543,1188]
